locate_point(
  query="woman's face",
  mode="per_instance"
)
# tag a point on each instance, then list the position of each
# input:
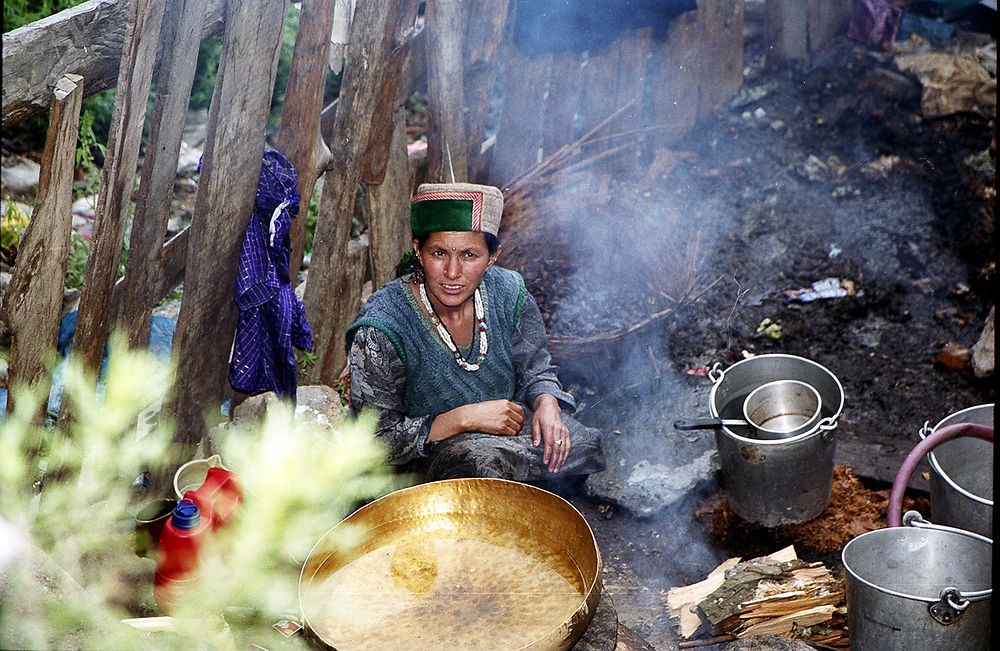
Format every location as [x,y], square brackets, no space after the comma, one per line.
[454,263]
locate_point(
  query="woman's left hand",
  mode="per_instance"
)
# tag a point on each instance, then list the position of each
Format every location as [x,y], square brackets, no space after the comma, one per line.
[547,426]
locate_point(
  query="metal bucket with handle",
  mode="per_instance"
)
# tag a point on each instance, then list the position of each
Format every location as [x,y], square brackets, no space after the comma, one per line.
[917,585]
[961,484]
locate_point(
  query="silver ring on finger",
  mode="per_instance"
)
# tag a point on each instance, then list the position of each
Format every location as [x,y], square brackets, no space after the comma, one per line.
[559,442]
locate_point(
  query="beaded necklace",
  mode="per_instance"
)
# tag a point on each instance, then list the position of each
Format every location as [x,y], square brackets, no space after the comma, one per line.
[446,336]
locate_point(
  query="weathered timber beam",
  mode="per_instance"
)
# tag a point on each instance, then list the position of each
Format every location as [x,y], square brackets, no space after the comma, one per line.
[376,32]
[179,45]
[447,153]
[234,145]
[299,138]
[483,41]
[94,318]
[85,40]
[33,300]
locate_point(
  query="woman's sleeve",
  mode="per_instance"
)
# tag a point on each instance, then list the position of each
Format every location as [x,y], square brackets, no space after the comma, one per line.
[532,363]
[378,379]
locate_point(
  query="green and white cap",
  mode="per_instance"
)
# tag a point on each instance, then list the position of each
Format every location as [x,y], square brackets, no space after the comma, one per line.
[440,207]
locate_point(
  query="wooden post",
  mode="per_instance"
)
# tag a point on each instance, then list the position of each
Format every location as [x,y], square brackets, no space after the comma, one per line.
[447,149]
[389,202]
[181,40]
[93,321]
[33,300]
[234,145]
[331,304]
[484,31]
[299,138]
[795,29]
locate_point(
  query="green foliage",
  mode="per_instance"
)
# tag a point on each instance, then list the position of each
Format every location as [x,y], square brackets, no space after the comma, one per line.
[205,72]
[70,573]
[17,13]
[77,261]
[312,213]
[12,224]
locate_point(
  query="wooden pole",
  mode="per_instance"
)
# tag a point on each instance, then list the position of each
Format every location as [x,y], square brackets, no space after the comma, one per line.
[33,300]
[234,145]
[389,203]
[86,39]
[447,146]
[300,139]
[484,32]
[94,319]
[378,32]
[181,40]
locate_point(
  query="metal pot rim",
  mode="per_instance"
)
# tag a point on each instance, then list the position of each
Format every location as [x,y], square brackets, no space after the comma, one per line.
[823,426]
[894,530]
[937,467]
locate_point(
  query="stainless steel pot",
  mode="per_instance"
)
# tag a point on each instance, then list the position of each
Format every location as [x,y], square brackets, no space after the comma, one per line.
[961,484]
[918,586]
[775,410]
[775,481]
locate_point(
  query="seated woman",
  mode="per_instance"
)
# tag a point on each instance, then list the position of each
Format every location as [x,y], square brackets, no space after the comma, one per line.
[454,356]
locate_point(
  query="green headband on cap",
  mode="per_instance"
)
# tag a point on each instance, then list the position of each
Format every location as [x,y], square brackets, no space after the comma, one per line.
[440,207]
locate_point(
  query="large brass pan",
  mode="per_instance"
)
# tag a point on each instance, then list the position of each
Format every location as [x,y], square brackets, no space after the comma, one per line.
[456,564]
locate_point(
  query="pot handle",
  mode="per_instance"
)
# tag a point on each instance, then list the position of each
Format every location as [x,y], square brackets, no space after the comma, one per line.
[940,435]
[955,599]
[828,428]
[698,423]
[715,374]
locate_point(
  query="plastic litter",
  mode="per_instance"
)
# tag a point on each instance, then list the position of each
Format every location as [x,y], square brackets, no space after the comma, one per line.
[823,289]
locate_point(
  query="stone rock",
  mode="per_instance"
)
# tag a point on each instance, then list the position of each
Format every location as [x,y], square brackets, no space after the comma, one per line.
[320,404]
[984,350]
[767,643]
[20,175]
[253,409]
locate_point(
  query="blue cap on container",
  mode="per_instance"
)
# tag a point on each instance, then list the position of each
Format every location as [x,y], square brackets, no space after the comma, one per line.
[186,515]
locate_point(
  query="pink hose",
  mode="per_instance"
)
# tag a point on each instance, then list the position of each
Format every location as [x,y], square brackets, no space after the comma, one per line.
[935,439]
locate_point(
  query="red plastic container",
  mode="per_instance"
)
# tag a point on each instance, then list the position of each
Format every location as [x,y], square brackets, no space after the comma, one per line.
[194,519]
[218,497]
[176,569]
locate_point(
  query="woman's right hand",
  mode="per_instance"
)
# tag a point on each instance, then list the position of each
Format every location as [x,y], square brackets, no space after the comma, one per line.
[501,417]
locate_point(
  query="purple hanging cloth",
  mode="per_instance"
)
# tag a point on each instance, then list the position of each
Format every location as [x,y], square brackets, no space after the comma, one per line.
[874,23]
[272,319]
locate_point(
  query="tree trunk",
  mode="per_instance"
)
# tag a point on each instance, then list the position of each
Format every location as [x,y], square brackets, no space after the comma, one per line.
[299,138]
[93,321]
[234,145]
[85,39]
[181,40]
[33,300]
[377,32]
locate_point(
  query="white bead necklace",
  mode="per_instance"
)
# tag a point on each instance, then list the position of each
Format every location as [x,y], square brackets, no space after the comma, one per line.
[446,336]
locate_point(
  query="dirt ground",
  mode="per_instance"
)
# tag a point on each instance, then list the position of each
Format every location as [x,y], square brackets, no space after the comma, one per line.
[890,204]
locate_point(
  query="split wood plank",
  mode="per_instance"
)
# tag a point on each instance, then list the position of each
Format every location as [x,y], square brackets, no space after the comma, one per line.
[785,623]
[181,40]
[389,206]
[721,24]
[447,149]
[86,40]
[330,299]
[299,138]
[94,318]
[681,600]
[481,53]
[234,146]
[33,300]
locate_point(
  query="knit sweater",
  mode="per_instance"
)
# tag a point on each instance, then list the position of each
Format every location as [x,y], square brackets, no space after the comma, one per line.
[434,382]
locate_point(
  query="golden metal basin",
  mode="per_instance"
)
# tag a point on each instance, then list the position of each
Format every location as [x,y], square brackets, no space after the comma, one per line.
[455,564]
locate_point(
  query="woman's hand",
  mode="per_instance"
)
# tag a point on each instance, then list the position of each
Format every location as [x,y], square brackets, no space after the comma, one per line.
[547,426]
[501,417]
